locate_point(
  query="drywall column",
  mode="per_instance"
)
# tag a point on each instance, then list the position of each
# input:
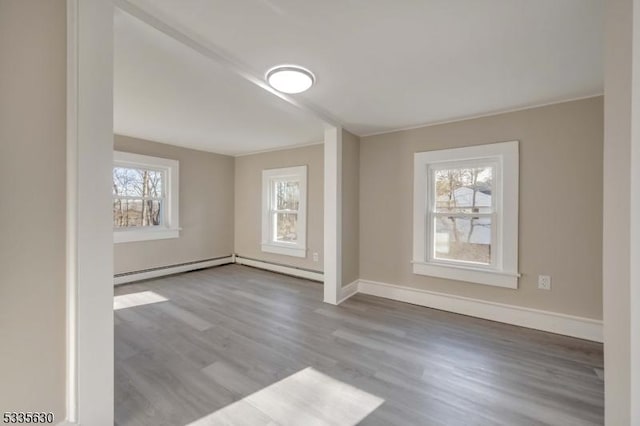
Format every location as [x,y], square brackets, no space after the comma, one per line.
[89,234]
[332,214]
[621,239]
[350,211]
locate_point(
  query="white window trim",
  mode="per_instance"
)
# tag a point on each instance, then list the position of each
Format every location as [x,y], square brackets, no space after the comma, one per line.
[171,218]
[504,269]
[299,248]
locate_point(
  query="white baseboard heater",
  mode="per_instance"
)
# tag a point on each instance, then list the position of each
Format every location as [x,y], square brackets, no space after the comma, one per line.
[278,267]
[161,271]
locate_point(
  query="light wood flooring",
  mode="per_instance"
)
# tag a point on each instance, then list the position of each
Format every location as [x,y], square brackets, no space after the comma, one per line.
[226,333]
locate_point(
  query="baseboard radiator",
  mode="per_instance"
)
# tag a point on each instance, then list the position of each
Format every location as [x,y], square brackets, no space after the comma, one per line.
[161,271]
[145,274]
[280,268]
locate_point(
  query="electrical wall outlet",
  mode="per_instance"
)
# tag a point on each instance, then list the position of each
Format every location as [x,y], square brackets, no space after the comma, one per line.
[544,282]
[315,256]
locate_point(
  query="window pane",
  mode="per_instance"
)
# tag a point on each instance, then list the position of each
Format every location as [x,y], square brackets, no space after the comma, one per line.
[133,182]
[154,183]
[286,227]
[464,190]
[129,213]
[287,195]
[466,239]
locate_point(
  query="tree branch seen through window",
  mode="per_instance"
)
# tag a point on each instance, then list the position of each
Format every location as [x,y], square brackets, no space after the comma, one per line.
[138,197]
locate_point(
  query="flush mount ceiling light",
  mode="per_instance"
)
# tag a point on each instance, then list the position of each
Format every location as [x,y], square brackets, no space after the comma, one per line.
[290,78]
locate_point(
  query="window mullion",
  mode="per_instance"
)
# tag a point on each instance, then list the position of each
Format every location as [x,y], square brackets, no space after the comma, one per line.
[463,215]
[128,197]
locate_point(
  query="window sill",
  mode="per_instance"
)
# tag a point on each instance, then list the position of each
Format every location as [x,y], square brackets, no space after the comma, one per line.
[130,236]
[467,274]
[287,251]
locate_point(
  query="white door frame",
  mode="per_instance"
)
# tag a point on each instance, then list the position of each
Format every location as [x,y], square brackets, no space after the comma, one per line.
[89,253]
[332,135]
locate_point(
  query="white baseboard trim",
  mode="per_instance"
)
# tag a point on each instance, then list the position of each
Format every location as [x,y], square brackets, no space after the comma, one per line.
[170,270]
[347,291]
[568,325]
[287,270]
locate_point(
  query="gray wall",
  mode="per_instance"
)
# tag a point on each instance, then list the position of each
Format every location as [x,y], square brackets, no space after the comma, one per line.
[206,209]
[350,208]
[560,204]
[248,207]
[32,211]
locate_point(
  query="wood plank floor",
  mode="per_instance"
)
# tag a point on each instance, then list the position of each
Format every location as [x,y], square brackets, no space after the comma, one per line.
[225,333]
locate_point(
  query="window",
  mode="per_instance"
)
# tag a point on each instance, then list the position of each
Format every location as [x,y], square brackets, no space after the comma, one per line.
[145,198]
[284,203]
[466,214]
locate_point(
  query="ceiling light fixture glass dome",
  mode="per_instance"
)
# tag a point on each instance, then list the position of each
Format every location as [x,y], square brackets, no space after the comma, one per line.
[290,79]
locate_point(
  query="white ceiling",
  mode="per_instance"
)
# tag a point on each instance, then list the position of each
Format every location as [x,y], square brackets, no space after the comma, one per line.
[381,65]
[166,92]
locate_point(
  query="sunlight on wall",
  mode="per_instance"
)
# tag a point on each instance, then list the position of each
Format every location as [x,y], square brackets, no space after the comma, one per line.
[136,299]
[307,397]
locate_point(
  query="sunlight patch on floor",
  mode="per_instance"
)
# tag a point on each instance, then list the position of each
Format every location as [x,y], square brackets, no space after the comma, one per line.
[307,397]
[136,299]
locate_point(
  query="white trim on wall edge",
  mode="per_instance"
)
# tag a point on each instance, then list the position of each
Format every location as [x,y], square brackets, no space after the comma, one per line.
[568,325]
[72,203]
[144,275]
[296,272]
[278,148]
[481,115]
[348,290]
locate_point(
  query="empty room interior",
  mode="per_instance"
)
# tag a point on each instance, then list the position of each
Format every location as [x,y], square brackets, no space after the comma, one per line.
[284,212]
